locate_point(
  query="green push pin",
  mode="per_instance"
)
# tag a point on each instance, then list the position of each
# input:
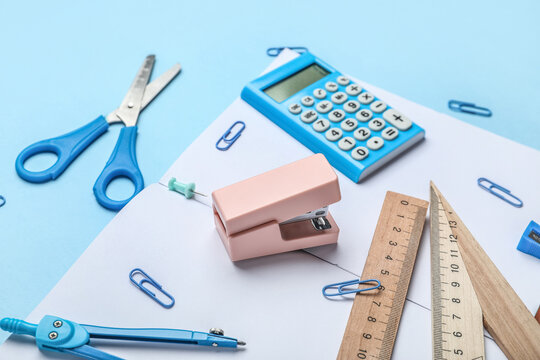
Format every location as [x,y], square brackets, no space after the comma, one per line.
[188,190]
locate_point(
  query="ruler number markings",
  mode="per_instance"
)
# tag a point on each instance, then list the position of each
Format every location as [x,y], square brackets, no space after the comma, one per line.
[454,337]
[374,319]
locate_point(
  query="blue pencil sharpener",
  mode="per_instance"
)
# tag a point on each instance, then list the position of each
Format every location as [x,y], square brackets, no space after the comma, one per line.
[530,241]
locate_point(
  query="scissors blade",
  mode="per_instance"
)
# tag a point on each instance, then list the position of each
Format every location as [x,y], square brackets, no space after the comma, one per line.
[131,106]
[155,87]
[152,90]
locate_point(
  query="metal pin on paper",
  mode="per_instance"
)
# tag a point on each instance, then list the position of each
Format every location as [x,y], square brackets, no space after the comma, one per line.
[187,189]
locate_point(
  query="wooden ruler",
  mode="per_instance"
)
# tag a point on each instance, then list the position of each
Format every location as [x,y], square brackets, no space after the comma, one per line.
[456,314]
[374,319]
[507,319]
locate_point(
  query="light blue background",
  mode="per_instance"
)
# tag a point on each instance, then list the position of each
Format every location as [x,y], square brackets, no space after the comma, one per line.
[64,63]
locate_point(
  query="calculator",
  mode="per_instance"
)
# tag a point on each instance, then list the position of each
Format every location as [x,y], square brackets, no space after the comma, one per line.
[330,114]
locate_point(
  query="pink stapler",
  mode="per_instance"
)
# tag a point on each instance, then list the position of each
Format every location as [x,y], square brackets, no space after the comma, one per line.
[273,212]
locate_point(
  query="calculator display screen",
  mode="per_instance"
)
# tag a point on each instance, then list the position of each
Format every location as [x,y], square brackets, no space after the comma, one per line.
[289,86]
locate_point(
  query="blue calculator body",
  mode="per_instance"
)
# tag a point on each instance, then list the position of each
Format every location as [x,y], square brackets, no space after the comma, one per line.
[328,113]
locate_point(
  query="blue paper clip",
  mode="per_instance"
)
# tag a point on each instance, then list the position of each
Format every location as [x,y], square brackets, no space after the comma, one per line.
[2,201]
[504,194]
[343,285]
[147,279]
[229,141]
[274,51]
[469,108]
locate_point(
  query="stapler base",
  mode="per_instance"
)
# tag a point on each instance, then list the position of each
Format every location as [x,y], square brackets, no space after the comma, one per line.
[273,238]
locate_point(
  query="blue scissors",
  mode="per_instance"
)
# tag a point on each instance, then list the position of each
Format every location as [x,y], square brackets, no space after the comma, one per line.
[60,335]
[122,162]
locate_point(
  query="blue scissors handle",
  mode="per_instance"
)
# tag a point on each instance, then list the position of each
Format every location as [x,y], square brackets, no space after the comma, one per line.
[66,147]
[122,163]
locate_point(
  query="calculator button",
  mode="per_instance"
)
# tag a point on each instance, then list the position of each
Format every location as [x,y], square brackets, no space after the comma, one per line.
[360,153]
[362,133]
[334,134]
[331,86]
[324,106]
[351,106]
[390,133]
[321,125]
[349,124]
[308,101]
[336,115]
[319,93]
[396,119]
[347,143]
[375,143]
[353,89]
[342,80]
[295,108]
[366,98]
[308,116]
[378,106]
[364,115]
[376,124]
[339,97]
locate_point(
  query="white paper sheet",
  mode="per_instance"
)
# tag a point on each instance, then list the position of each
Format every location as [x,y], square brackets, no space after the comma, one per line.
[274,303]
[454,155]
